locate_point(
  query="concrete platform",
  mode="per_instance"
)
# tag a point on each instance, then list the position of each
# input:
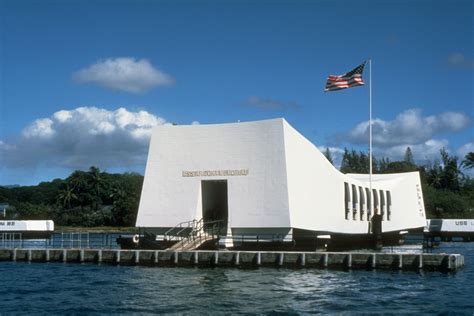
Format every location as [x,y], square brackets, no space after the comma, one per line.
[329,260]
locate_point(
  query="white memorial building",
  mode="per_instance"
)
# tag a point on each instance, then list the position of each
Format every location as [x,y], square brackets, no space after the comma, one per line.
[265,182]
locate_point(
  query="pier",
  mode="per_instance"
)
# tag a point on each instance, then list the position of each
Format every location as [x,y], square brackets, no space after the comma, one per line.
[321,260]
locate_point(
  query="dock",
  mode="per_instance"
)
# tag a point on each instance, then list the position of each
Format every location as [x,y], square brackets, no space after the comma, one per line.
[321,260]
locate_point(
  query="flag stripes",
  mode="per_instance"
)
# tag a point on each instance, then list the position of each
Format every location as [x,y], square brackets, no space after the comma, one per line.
[351,79]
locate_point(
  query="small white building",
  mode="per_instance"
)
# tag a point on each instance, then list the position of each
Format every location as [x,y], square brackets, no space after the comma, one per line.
[28,229]
[264,179]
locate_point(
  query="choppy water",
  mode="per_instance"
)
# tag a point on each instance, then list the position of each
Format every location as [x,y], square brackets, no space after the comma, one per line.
[57,288]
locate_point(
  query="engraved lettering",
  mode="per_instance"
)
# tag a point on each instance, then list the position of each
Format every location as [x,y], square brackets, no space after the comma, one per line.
[214,173]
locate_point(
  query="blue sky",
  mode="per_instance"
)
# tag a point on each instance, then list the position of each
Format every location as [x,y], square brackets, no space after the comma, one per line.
[83,82]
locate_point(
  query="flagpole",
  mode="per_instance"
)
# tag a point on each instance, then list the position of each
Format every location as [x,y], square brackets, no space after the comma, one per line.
[370,129]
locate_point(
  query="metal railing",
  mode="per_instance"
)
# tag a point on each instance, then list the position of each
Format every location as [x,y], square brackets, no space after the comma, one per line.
[201,231]
[11,240]
[181,230]
[75,240]
[264,238]
[63,240]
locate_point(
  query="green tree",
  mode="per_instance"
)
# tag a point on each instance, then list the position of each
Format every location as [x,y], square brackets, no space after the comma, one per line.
[383,165]
[408,156]
[328,155]
[79,181]
[345,162]
[96,181]
[468,161]
[355,162]
[126,196]
[66,196]
[450,172]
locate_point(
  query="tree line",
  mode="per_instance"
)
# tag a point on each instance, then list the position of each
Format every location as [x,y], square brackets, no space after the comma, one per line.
[85,198]
[447,191]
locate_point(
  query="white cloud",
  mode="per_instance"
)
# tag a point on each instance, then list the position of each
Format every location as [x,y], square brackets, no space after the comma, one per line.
[125,74]
[425,151]
[40,128]
[465,149]
[4,146]
[459,60]
[409,127]
[82,137]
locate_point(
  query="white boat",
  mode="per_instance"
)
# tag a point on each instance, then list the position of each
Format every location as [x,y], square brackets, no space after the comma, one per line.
[450,228]
[28,229]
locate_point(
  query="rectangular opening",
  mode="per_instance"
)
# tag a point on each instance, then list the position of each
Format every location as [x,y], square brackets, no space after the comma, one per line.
[389,205]
[361,203]
[382,203]
[215,208]
[369,203]
[355,201]
[347,199]
[376,201]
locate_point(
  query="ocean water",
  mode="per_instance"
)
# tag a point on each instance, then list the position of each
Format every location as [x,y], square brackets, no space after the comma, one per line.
[57,288]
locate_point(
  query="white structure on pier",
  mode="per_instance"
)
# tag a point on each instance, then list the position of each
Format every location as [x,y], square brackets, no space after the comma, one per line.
[264,177]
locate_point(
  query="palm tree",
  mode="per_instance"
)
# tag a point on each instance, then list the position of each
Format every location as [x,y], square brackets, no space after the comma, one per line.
[468,161]
[66,196]
[79,180]
[96,180]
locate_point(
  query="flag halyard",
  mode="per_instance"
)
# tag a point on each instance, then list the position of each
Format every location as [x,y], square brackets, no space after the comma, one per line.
[349,80]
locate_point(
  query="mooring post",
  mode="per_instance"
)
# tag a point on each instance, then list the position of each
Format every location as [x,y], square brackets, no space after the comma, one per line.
[400,261]
[14,255]
[117,255]
[258,259]
[64,255]
[281,258]
[99,256]
[302,258]
[216,258]
[196,257]
[47,255]
[374,261]
[156,256]
[29,255]
[81,255]
[175,257]
[349,261]
[137,256]
[237,258]
[420,261]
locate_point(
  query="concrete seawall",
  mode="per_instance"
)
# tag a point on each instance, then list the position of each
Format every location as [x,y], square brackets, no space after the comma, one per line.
[337,260]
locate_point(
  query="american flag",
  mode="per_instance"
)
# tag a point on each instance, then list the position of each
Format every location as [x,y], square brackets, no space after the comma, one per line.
[351,79]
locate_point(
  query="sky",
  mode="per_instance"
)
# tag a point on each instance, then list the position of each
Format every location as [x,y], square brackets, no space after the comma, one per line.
[83,83]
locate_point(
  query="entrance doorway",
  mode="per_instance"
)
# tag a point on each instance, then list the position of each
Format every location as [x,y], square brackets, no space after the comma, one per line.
[215,208]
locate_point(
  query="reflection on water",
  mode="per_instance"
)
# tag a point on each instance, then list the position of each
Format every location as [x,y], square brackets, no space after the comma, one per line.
[87,288]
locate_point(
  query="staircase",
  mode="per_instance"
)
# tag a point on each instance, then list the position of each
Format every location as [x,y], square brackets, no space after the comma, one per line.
[192,244]
[200,233]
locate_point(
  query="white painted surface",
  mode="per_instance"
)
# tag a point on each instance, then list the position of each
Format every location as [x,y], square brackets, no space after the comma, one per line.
[261,196]
[290,184]
[26,226]
[457,225]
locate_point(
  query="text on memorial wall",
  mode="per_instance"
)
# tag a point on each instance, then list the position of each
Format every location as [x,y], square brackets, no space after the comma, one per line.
[216,173]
